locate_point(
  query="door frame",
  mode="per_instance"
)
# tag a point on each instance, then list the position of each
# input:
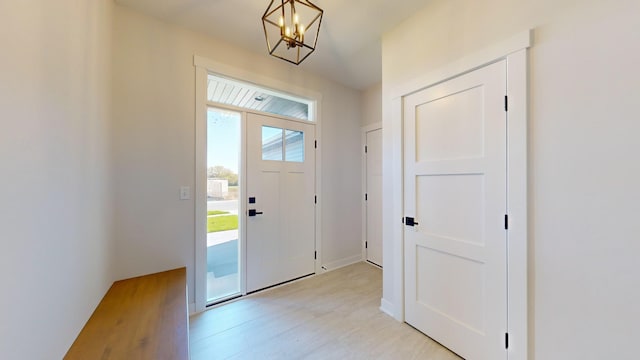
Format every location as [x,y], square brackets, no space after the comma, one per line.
[203,67]
[515,51]
[363,160]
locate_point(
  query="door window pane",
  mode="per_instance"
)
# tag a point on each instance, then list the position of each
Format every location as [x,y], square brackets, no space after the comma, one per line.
[223,232]
[271,143]
[232,92]
[294,146]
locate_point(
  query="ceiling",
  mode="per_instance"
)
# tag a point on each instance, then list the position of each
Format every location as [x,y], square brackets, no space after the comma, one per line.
[349,46]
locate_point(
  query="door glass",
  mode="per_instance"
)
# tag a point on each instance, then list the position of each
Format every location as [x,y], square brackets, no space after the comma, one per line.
[223,164]
[239,94]
[294,146]
[271,143]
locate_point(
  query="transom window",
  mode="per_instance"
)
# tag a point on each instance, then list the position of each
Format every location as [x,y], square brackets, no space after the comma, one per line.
[243,95]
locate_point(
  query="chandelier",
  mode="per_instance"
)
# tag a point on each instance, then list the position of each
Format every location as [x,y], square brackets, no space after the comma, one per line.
[291,28]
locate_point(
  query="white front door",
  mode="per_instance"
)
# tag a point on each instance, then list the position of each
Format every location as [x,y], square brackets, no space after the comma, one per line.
[373,196]
[280,240]
[455,194]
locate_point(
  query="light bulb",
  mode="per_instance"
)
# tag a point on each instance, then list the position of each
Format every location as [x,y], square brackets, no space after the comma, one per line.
[295,19]
[281,21]
[287,31]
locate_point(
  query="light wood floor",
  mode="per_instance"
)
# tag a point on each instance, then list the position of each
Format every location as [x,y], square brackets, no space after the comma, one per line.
[331,316]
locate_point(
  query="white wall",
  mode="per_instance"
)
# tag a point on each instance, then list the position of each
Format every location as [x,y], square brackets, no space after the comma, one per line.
[154,149]
[55,213]
[583,167]
[372,105]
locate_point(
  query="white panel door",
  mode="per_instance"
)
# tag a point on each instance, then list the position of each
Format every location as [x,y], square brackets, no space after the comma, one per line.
[455,192]
[280,237]
[374,196]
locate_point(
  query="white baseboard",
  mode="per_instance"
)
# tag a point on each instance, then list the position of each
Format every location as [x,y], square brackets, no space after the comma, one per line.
[342,263]
[387,307]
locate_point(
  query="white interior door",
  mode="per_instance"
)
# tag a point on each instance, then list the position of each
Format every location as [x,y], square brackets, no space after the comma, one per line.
[374,196]
[280,236]
[455,192]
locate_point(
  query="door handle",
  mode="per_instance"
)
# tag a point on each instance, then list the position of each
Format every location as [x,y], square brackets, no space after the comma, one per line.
[409,221]
[253,212]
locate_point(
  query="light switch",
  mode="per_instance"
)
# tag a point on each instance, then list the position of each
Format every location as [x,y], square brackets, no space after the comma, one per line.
[185,193]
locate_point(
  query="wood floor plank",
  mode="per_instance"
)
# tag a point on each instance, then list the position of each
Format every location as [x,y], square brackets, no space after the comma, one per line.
[331,316]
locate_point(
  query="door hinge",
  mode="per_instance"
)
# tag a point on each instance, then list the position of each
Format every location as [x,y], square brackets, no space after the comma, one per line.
[315,255]
[315,144]
[506,103]
[366,244]
[315,199]
[506,222]
[403,220]
[365,149]
[506,340]
[366,197]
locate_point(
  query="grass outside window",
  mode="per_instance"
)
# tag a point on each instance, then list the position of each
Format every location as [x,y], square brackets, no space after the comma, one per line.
[222,223]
